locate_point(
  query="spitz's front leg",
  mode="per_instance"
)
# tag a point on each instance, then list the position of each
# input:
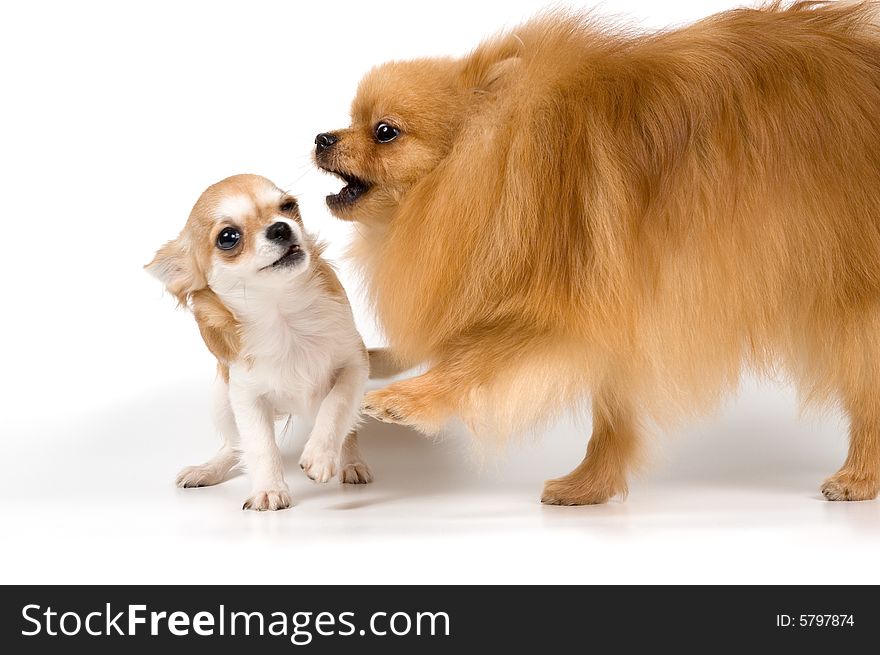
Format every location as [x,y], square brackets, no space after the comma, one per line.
[425,402]
[422,402]
[385,364]
[259,452]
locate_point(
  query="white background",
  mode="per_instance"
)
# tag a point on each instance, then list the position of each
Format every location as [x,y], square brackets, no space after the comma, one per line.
[115,116]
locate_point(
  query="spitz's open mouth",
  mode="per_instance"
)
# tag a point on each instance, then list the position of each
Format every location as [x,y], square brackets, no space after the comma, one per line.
[293,255]
[353,190]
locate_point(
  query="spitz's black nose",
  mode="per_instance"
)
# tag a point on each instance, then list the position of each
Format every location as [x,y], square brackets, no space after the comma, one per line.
[280,232]
[323,141]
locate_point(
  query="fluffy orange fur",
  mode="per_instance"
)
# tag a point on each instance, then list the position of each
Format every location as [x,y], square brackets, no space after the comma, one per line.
[575,211]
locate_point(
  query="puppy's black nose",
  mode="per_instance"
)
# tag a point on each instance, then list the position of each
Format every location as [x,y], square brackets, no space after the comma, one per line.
[280,232]
[323,141]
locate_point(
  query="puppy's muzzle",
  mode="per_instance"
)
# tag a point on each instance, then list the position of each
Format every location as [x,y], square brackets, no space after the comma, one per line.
[279,233]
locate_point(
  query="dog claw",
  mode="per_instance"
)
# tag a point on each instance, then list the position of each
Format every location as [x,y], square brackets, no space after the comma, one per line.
[268,500]
[355,473]
[383,415]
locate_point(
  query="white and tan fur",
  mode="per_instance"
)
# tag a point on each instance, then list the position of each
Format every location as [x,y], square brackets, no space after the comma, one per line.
[284,338]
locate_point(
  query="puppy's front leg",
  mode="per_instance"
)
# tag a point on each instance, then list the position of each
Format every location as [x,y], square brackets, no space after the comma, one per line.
[337,418]
[259,452]
[352,467]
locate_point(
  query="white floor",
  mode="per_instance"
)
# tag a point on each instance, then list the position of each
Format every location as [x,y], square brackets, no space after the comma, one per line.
[90,499]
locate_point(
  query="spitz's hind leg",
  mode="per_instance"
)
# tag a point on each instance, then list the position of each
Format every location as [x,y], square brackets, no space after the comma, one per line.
[852,365]
[611,454]
[859,477]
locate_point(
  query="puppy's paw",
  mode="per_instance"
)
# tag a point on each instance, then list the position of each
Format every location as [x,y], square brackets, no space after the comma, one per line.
[355,472]
[271,500]
[319,464]
[572,490]
[198,476]
[844,485]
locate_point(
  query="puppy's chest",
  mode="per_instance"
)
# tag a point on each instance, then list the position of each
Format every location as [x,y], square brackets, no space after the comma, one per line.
[293,365]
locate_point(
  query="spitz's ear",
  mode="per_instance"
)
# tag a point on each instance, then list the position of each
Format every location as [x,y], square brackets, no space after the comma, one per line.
[175,266]
[497,72]
[486,68]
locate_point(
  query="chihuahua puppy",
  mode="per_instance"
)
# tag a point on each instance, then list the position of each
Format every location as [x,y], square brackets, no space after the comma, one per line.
[275,316]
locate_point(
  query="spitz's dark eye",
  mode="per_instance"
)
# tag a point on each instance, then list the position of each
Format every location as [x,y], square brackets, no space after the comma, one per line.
[228,238]
[287,206]
[386,133]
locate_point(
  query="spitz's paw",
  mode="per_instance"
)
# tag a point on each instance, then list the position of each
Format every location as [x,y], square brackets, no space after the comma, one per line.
[198,476]
[384,406]
[575,490]
[355,472]
[844,485]
[319,464]
[268,500]
[401,404]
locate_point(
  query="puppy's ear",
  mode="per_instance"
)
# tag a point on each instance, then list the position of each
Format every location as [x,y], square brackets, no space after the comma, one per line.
[175,266]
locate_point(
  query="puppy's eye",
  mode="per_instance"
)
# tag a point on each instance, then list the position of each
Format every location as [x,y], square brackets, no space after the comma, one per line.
[287,206]
[386,133]
[228,238]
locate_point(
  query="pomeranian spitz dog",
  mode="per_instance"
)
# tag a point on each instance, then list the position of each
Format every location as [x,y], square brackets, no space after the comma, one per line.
[276,318]
[575,211]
